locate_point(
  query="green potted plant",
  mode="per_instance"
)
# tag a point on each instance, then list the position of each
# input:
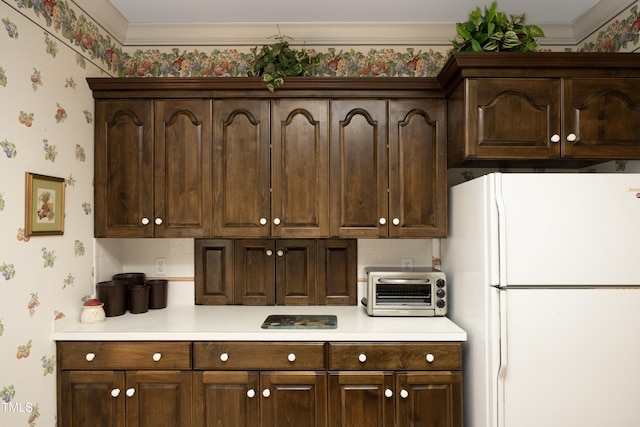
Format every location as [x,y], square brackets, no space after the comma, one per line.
[494,31]
[276,61]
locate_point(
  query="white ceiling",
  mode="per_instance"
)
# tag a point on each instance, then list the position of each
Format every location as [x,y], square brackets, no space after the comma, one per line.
[331,22]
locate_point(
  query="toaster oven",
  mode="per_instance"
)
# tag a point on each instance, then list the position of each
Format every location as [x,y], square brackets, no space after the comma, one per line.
[400,292]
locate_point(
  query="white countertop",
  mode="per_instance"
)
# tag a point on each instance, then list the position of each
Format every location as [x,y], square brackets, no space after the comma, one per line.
[243,323]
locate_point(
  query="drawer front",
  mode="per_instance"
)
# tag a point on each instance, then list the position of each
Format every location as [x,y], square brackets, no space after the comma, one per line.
[395,356]
[124,355]
[259,355]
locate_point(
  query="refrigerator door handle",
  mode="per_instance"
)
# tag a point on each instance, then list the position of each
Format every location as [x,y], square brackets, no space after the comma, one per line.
[504,361]
[502,232]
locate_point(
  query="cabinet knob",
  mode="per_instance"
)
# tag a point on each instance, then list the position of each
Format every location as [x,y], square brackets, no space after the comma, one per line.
[291,357]
[430,358]
[145,221]
[131,391]
[555,138]
[396,221]
[115,392]
[224,357]
[157,357]
[266,392]
[280,252]
[276,221]
[362,358]
[382,221]
[572,137]
[158,221]
[388,393]
[90,357]
[263,221]
[404,393]
[269,252]
[251,393]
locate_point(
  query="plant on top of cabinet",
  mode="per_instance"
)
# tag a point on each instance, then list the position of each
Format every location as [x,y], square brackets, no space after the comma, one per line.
[278,60]
[494,31]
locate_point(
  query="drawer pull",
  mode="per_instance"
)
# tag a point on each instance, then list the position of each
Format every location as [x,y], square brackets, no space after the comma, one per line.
[131,391]
[115,392]
[157,357]
[430,358]
[251,393]
[291,357]
[388,393]
[404,393]
[362,358]
[266,392]
[224,357]
[90,357]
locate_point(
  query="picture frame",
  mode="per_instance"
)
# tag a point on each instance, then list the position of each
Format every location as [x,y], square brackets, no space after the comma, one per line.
[44,205]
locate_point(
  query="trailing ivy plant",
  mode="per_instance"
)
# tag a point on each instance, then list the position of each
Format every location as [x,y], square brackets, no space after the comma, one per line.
[276,61]
[494,31]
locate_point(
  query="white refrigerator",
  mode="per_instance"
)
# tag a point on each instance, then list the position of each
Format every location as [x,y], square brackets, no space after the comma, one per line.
[543,273]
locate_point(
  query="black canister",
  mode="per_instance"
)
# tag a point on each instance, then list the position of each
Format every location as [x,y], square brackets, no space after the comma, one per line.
[138,298]
[113,294]
[157,293]
[132,279]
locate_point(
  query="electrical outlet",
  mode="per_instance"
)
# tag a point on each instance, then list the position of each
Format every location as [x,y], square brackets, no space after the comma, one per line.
[406,263]
[161,266]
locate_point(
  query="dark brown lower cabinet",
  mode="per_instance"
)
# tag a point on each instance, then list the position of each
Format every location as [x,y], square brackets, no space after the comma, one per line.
[125,398]
[260,399]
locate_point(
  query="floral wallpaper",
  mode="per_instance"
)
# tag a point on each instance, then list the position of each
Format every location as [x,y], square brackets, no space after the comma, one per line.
[47,49]
[46,127]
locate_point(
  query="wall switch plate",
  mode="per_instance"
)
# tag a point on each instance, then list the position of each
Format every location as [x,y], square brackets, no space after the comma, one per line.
[406,263]
[161,266]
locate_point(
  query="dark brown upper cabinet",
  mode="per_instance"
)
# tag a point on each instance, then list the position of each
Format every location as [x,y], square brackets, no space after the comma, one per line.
[542,109]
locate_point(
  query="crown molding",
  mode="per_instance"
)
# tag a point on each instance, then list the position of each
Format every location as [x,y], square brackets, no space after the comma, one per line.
[325,33]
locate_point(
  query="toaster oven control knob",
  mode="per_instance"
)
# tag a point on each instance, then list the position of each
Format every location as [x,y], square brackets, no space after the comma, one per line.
[291,357]
[382,221]
[440,293]
[224,357]
[440,283]
[388,393]
[404,393]
[440,303]
[430,358]
[362,358]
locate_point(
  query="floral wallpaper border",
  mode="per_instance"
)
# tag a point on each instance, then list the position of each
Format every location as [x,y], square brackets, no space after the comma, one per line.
[87,37]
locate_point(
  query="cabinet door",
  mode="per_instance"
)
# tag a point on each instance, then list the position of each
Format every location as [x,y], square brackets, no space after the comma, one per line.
[255,272]
[429,399]
[602,118]
[226,399]
[337,271]
[361,399]
[158,398]
[214,276]
[183,183]
[294,399]
[300,168]
[358,169]
[296,272]
[512,118]
[123,168]
[417,168]
[91,398]
[241,138]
